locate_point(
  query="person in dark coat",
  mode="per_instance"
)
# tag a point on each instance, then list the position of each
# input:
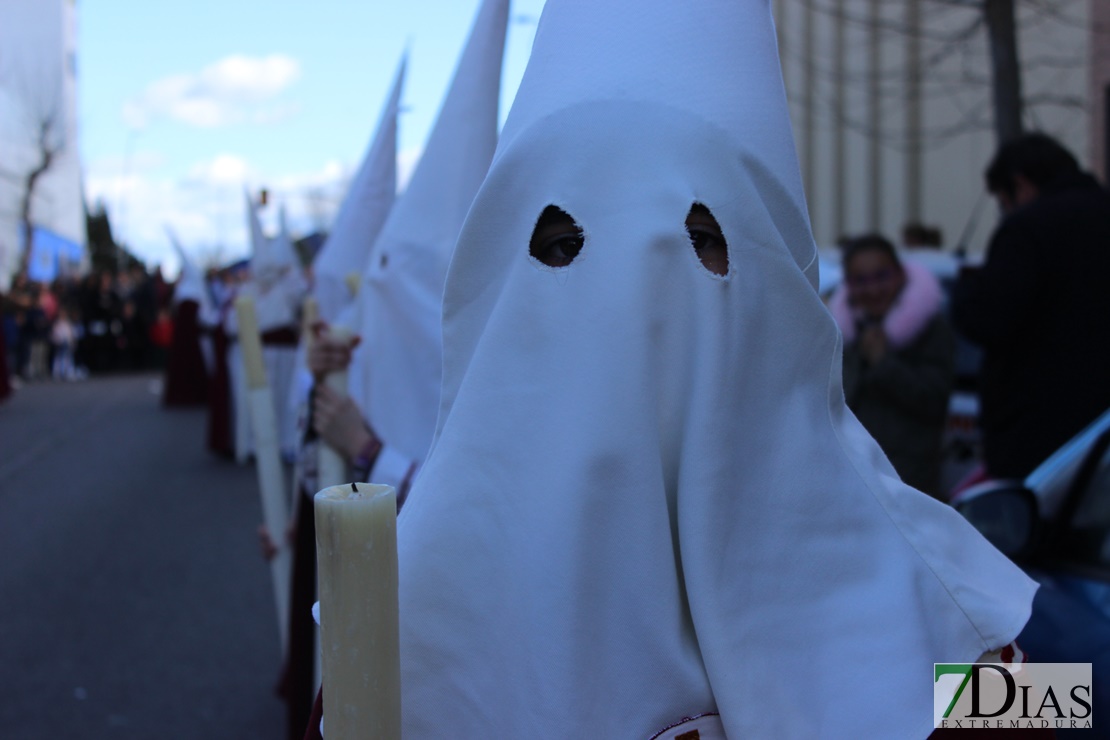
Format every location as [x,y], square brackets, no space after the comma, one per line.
[102,313]
[1039,306]
[898,356]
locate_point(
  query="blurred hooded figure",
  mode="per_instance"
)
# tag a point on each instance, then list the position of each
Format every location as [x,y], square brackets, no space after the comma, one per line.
[360,218]
[647,510]
[186,379]
[278,286]
[385,427]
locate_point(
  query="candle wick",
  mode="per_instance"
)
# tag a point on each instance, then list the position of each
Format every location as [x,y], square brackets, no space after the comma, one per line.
[354,488]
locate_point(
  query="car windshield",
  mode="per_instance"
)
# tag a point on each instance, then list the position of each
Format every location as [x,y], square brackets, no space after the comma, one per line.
[1084,540]
[1072,488]
[1052,479]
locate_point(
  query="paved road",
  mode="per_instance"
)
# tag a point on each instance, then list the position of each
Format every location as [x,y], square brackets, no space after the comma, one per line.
[133,600]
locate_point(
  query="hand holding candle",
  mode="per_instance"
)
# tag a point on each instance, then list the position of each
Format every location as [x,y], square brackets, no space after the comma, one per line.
[356,548]
[327,354]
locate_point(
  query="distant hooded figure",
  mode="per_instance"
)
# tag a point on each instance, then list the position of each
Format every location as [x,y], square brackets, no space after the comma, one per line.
[186,378]
[647,510]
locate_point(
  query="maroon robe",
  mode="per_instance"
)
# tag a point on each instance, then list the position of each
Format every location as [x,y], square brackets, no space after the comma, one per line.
[5,382]
[186,381]
[219,398]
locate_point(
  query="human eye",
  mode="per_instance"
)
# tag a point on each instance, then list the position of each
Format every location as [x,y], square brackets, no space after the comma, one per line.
[557,239]
[707,239]
[560,251]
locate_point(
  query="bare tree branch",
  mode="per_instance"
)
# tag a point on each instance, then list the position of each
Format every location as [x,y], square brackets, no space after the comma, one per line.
[42,123]
[968,57]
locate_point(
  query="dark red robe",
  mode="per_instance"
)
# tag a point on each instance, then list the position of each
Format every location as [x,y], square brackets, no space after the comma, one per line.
[186,379]
[5,383]
[219,398]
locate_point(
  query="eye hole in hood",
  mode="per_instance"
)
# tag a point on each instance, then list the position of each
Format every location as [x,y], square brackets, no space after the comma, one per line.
[707,239]
[557,238]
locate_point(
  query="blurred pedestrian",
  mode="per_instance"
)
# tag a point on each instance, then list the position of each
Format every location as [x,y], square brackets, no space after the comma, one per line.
[160,339]
[37,329]
[133,338]
[916,235]
[898,356]
[101,312]
[63,337]
[1039,306]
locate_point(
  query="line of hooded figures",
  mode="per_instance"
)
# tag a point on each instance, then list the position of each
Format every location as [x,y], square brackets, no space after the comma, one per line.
[591,358]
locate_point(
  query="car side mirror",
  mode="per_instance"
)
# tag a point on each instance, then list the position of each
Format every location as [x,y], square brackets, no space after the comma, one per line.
[1005,512]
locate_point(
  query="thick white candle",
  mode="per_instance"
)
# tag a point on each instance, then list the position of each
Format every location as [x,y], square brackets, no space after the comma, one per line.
[356,550]
[332,465]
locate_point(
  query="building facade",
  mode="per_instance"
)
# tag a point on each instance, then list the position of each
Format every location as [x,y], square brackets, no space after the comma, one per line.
[892,108]
[38,107]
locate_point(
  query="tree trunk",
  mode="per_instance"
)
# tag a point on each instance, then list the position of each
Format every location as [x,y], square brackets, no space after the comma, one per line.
[30,181]
[25,216]
[1005,68]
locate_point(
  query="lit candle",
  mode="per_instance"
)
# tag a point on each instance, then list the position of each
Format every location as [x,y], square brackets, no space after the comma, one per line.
[267,456]
[332,465]
[356,551]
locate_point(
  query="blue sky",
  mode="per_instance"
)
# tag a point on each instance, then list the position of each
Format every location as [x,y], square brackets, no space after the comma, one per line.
[182,104]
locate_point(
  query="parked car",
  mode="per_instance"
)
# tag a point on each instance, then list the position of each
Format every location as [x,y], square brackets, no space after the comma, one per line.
[1055,524]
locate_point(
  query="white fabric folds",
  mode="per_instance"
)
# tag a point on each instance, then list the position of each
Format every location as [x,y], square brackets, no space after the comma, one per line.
[647,500]
[190,284]
[362,214]
[401,298]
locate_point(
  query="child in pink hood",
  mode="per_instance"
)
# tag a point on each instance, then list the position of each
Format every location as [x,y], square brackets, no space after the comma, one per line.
[898,356]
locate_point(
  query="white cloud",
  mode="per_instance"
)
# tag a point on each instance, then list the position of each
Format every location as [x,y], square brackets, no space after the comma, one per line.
[236,89]
[205,207]
[224,169]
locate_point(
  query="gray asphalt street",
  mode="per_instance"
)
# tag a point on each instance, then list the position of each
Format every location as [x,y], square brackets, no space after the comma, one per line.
[133,599]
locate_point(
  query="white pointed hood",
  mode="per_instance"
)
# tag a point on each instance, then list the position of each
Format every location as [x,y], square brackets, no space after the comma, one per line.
[647,499]
[281,251]
[190,284]
[401,297]
[363,212]
[258,240]
[270,258]
[277,282]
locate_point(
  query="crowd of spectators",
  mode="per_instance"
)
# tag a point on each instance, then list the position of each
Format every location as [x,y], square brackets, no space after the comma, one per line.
[103,322]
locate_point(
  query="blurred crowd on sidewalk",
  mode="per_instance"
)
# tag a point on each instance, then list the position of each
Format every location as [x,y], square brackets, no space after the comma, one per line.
[103,322]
